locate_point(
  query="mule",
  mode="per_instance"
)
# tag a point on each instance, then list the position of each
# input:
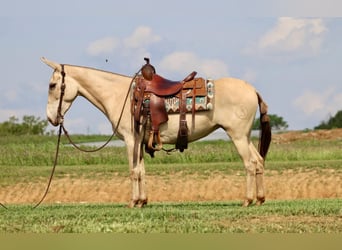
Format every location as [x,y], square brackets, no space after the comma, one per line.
[234,107]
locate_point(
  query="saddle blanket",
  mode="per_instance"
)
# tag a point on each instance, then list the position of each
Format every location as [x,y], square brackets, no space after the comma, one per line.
[202,103]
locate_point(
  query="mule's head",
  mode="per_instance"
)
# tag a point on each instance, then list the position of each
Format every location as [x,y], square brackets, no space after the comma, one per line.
[58,104]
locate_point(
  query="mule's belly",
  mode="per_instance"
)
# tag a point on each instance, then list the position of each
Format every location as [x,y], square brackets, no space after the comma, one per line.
[203,127]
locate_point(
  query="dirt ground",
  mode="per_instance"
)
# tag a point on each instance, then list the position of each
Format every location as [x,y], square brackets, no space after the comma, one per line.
[333,134]
[287,185]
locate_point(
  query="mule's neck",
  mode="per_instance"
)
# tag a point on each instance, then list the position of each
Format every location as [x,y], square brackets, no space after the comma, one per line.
[103,89]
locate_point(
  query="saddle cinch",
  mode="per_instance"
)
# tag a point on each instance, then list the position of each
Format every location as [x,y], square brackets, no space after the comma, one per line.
[148,106]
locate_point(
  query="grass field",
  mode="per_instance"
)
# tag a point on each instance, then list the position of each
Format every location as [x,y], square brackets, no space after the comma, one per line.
[314,216]
[28,160]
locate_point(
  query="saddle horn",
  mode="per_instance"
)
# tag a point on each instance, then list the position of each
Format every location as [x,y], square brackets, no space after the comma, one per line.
[148,70]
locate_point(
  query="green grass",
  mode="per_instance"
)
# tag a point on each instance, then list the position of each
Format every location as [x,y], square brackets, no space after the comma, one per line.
[30,158]
[309,216]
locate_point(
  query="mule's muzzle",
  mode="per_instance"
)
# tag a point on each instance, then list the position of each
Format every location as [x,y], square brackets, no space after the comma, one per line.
[56,122]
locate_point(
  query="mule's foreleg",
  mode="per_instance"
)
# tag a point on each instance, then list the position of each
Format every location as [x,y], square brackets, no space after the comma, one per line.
[134,174]
[139,197]
[137,175]
[142,185]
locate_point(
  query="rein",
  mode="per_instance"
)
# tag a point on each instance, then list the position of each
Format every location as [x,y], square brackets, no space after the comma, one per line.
[61,127]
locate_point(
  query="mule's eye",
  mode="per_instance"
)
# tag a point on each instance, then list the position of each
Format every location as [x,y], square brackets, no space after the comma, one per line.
[52,86]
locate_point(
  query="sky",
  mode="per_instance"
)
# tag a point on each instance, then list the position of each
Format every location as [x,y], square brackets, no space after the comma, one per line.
[290,51]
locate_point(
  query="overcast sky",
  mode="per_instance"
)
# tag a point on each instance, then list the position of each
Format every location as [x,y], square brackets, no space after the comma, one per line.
[291,51]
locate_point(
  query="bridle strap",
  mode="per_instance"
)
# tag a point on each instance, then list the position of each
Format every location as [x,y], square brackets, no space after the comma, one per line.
[59,109]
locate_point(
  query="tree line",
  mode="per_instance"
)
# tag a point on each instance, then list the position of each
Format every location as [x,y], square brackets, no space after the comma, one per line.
[31,125]
[333,122]
[278,122]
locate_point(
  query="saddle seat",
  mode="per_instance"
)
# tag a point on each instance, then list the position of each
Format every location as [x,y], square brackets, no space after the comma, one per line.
[164,87]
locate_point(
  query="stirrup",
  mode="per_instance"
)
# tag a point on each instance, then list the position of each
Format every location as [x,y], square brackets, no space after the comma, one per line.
[159,144]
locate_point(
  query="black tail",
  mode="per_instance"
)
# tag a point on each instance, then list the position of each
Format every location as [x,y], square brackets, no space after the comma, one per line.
[265,128]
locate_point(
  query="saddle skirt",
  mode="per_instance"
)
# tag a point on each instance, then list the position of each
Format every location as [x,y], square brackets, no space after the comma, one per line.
[201,97]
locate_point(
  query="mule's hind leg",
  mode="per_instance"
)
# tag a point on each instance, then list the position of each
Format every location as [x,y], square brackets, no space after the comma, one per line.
[259,171]
[242,146]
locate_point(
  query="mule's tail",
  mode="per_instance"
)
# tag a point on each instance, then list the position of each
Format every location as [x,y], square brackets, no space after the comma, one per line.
[265,128]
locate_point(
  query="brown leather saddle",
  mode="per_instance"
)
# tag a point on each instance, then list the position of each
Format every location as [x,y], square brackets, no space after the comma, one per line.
[148,106]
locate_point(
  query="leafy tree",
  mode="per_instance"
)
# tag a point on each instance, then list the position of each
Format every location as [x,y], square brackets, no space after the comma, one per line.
[30,125]
[276,122]
[333,122]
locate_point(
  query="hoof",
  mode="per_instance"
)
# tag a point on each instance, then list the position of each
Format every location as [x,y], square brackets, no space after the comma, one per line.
[141,203]
[137,203]
[260,201]
[247,202]
[132,203]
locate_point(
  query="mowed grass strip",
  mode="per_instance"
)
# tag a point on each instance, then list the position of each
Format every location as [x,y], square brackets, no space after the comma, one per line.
[300,216]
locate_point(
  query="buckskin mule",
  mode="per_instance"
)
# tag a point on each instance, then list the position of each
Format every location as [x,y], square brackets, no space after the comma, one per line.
[234,106]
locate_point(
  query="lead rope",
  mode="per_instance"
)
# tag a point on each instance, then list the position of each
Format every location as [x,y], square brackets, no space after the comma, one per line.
[87,150]
[53,168]
[61,127]
[2,205]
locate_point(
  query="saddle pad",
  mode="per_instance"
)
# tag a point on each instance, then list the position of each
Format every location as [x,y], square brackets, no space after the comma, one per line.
[202,102]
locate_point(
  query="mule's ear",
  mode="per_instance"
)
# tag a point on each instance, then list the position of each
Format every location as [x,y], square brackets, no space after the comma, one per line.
[54,65]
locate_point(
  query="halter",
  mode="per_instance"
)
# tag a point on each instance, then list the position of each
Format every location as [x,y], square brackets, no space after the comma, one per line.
[59,109]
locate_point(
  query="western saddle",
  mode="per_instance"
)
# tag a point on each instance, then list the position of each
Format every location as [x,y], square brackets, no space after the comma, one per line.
[148,107]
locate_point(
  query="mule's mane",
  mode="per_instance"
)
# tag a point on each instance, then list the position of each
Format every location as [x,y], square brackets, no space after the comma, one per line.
[95,69]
